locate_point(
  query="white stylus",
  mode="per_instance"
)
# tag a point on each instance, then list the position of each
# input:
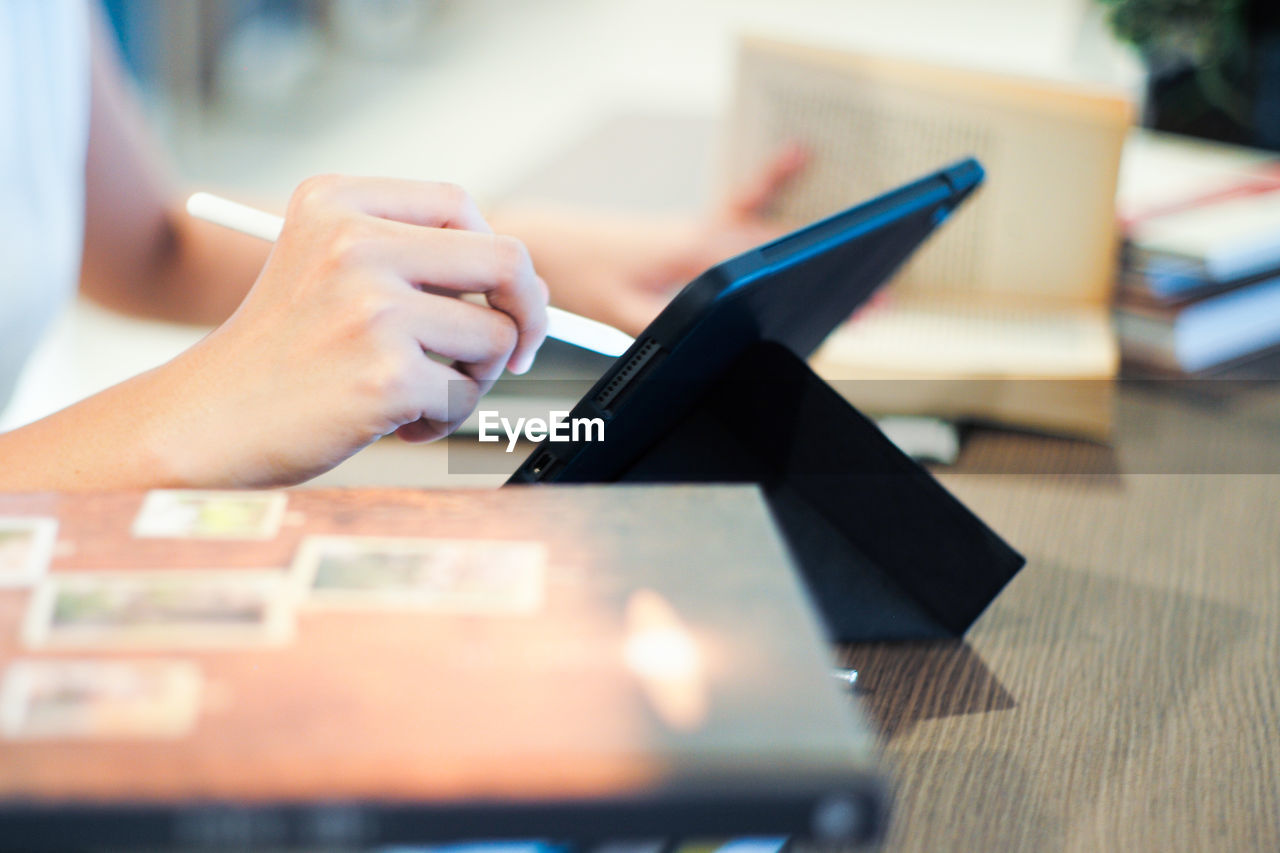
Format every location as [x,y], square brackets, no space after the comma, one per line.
[563,325]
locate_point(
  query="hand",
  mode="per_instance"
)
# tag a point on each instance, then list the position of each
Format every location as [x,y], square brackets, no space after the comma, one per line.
[623,269]
[330,349]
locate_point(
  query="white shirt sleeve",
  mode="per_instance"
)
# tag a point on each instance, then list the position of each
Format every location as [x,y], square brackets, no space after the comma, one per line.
[44,129]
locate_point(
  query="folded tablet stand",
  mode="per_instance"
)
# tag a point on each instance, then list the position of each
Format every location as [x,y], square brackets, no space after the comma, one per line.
[886,551]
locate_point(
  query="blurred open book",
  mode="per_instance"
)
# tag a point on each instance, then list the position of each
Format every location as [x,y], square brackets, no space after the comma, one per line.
[1015,287]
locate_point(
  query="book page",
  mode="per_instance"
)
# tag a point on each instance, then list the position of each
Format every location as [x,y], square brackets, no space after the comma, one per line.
[944,339]
[1042,226]
[1165,172]
[1231,226]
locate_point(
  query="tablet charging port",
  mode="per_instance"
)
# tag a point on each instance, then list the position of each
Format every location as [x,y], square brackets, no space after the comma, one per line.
[543,465]
[608,398]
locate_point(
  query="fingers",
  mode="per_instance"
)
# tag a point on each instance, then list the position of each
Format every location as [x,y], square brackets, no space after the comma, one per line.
[432,236]
[443,398]
[458,330]
[477,339]
[423,203]
[425,398]
[754,198]
[422,431]
[467,262]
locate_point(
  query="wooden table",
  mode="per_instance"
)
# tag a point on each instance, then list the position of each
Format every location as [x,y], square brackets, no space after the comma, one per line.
[1123,693]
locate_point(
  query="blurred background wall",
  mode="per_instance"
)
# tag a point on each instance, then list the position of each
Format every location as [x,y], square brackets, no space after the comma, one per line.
[254,94]
[251,96]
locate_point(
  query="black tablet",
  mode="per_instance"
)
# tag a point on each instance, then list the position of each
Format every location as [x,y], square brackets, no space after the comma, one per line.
[791,292]
[716,390]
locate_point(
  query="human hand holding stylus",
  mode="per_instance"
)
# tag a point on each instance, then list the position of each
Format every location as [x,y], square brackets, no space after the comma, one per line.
[353,330]
[562,325]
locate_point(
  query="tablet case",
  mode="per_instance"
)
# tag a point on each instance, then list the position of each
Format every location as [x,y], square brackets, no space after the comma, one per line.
[886,552]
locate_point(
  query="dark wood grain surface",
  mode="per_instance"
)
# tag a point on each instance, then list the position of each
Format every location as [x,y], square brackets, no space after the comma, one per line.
[1123,693]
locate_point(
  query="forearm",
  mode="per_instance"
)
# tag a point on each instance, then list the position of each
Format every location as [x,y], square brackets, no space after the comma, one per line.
[117,439]
[622,268]
[615,267]
[563,241]
[143,254]
[337,345]
[210,276]
[193,272]
[198,421]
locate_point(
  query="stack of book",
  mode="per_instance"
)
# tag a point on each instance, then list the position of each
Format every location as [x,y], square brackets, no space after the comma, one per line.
[1199,287]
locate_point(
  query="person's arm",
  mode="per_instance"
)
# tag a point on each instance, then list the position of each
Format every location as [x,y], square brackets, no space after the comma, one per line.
[622,269]
[143,255]
[329,351]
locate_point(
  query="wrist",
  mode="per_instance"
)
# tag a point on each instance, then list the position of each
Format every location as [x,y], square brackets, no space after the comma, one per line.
[120,438]
[181,426]
[163,445]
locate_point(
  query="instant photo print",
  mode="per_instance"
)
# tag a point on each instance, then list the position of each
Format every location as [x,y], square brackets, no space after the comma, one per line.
[716,389]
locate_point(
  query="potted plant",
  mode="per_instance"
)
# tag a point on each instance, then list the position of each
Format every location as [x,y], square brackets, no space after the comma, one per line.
[1213,65]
